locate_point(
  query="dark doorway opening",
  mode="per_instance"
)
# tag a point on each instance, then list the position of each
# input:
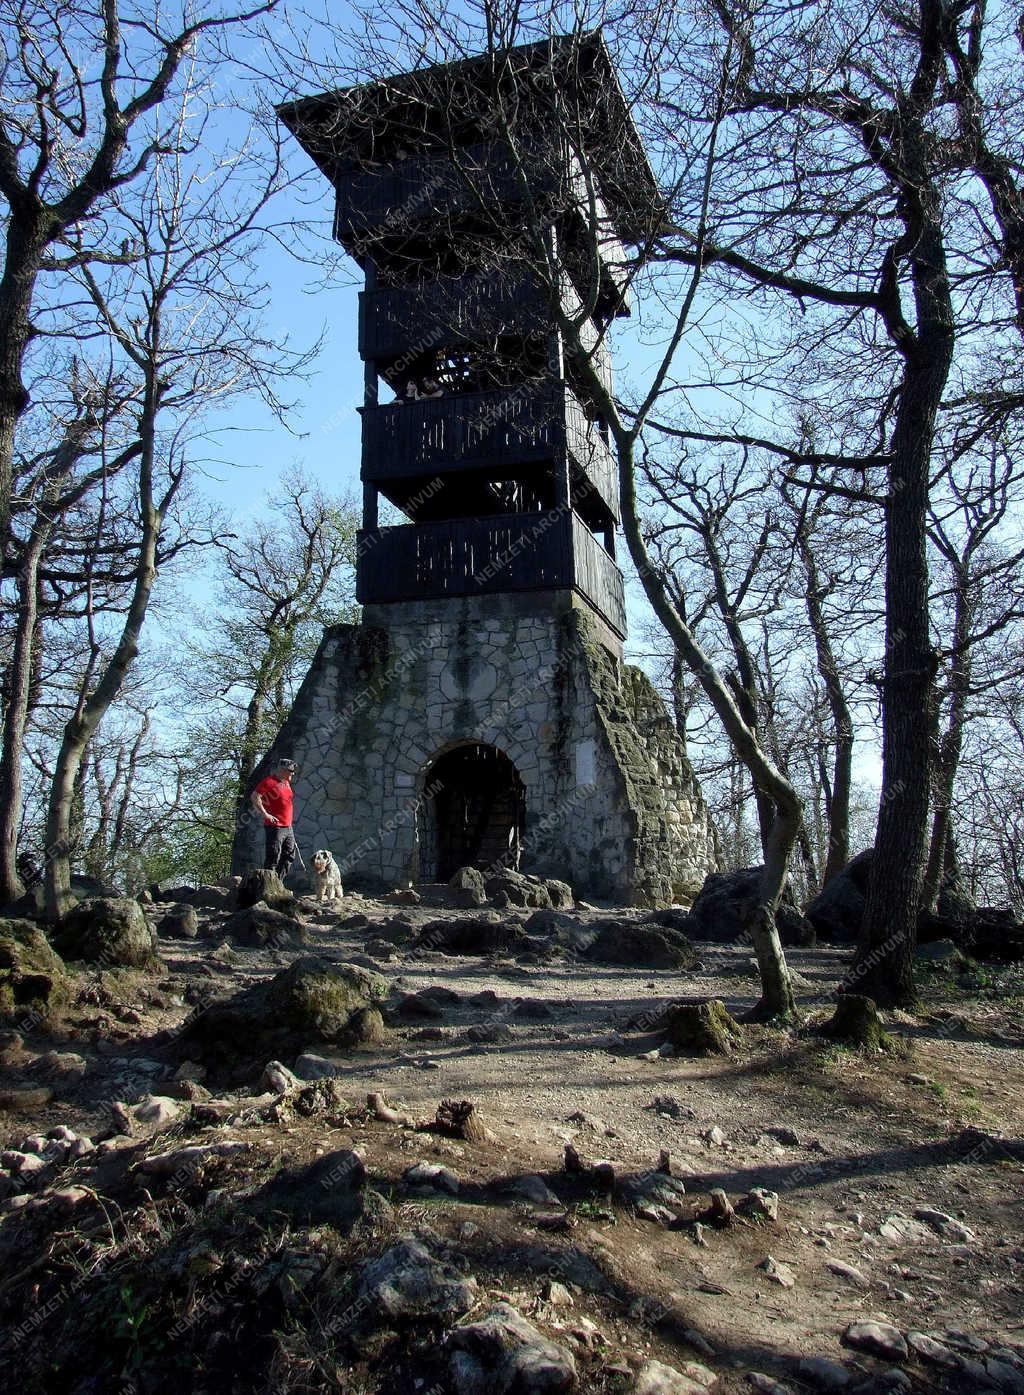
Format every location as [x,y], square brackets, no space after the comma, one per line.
[474,810]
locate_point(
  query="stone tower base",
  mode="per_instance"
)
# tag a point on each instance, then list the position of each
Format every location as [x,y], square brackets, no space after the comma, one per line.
[517,692]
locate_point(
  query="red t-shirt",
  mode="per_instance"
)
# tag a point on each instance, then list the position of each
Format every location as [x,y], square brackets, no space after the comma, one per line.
[277,796]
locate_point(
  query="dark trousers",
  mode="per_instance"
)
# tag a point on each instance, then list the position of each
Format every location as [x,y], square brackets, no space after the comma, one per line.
[281,849]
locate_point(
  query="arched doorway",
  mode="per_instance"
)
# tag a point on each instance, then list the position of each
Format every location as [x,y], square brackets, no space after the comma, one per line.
[474,806]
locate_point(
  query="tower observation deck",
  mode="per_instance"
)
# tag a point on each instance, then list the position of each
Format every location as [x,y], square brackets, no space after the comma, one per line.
[488,203]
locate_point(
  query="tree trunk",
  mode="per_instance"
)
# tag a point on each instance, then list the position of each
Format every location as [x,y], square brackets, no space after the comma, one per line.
[16,716]
[776,988]
[80,729]
[25,242]
[947,762]
[885,966]
[842,769]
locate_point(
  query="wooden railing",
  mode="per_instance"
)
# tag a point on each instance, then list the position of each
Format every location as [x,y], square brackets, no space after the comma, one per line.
[477,556]
[597,577]
[467,311]
[505,428]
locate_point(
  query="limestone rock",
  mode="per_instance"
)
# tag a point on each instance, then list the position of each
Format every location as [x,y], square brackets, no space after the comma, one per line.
[778,1272]
[259,926]
[822,1373]
[655,1378]
[157,1110]
[878,1338]
[470,936]
[645,945]
[504,1354]
[310,1066]
[704,1028]
[33,980]
[838,910]
[111,931]
[468,887]
[946,1226]
[407,1283]
[314,1001]
[179,923]
[725,904]
[278,1078]
[759,1204]
[849,1273]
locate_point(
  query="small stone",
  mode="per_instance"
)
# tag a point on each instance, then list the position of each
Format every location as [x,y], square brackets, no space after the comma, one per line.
[825,1374]
[157,1110]
[931,1350]
[25,1101]
[557,1295]
[191,1070]
[946,1226]
[878,1338]
[80,1148]
[535,1189]
[778,1272]
[67,1198]
[759,1204]
[62,1133]
[849,1273]
[903,1230]
[655,1378]
[714,1137]
[278,1079]
[767,1384]
[427,1174]
[310,1066]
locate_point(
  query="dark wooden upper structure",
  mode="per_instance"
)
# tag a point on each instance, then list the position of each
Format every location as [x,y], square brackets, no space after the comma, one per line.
[486,201]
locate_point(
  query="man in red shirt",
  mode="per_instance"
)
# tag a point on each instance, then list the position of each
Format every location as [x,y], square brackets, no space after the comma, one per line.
[273,798]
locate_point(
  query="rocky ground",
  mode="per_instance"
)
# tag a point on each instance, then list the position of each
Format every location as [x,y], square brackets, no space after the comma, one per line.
[194,1192]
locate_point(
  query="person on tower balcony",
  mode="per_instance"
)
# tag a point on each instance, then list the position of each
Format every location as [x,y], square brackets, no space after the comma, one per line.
[273,798]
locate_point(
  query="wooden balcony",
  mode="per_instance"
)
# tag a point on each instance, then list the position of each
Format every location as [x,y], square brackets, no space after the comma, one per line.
[460,312]
[469,557]
[496,430]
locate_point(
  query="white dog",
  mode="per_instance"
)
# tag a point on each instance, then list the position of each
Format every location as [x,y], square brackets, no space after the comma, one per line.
[328,876]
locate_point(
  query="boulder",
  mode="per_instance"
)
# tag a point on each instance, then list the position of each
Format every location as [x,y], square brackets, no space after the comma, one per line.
[110,930]
[313,1002]
[468,887]
[642,944]
[210,898]
[560,894]
[724,905]
[470,936]
[702,1028]
[406,1283]
[33,980]
[179,923]
[258,926]
[504,1354]
[520,889]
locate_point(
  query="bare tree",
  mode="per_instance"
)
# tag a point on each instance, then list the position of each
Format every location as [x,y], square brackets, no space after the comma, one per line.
[78,87]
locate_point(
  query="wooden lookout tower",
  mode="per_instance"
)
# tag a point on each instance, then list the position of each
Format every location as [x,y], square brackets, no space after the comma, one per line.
[487,204]
[478,422]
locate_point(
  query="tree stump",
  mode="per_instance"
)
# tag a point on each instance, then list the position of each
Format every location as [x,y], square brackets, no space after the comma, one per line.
[263,884]
[704,1028]
[459,1119]
[855,1022]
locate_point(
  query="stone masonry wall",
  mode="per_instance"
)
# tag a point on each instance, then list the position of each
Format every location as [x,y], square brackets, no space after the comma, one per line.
[611,803]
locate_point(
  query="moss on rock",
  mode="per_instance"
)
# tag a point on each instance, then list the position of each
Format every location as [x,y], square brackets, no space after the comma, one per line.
[33,979]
